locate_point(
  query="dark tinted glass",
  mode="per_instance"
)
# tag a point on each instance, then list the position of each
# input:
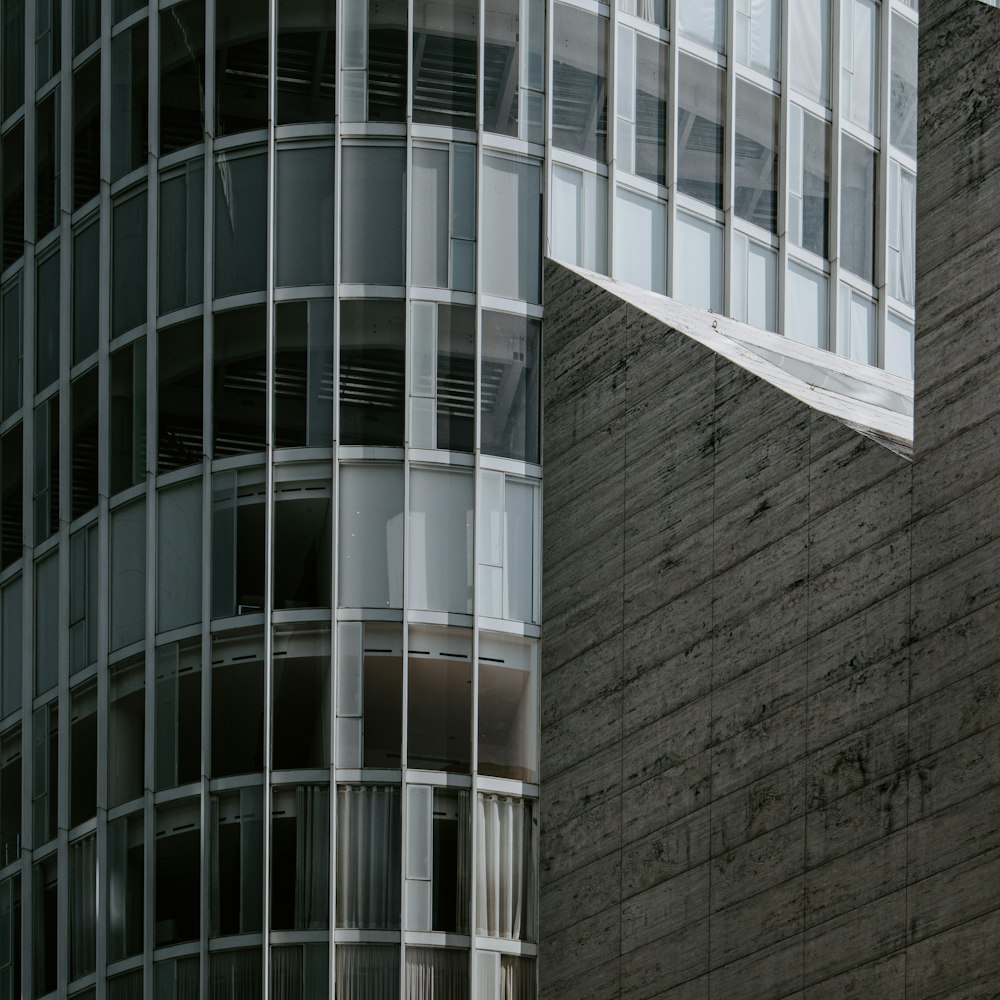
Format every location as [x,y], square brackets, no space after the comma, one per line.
[86,275]
[12,154]
[701,103]
[179,423]
[445,62]
[456,377]
[47,165]
[240,224]
[240,393]
[128,261]
[182,237]
[129,100]
[84,454]
[86,131]
[47,323]
[241,61]
[182,76]
[128,416]
[12,61]
[303,374]
[386,60]
[307,69]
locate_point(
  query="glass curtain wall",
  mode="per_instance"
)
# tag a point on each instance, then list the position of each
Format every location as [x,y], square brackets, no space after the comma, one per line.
[270,352]
[743,165]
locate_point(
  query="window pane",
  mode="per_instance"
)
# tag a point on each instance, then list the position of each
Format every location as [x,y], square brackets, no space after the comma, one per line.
[86,278]
[304,216]
[640,241]
[374,186]
[235,975]
[649,10]
[374,61]
[11,346]
[445,62]
[83,754]
[439,700]
[372,366]
[46,624]
[579,82]
[45,773]
[703,21]
[47,304]
[370,548]
[12,63]
[237,861]
[177,744]
[303,545]
[241,60]
[83,402]
[237,544]
[301,695]
[756,168]
[237,679]
[128,574]
[128,416]
[126,732]
[501,66]
[86,23]
[579,229]
[701,130]
[509,414]
[300,827]
[11,629]
[508,718]
[651,73]
[10,799]
[902,248]
[303,374]
[86,131]
[430,234]
[859,67]
[11,496]
[126,896]
[809,35]
[180,396]
[47,165]
[46,469]
[182,228]
[12,156]
[240,224]
[177,890]
[758,35]
[898,354]
[456,377]
[307,68]
[806,306]
[754,283]
[46,925]
[182,76]
[240,372]
[128,279]
[83,598]
[857,209]
[809,181]
[447,968]
[903,86]
[179,548]
[367,970]
[698,273]
[511,228]
[129,100]
[505,847]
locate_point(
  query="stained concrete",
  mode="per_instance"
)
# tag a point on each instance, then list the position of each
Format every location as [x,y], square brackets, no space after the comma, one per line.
[771,675]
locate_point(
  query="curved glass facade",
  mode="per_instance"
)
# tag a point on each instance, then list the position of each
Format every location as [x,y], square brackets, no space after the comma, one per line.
[753,158]
[270,448]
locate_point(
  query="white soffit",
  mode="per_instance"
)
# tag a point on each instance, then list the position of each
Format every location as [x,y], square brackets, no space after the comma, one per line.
[869,400]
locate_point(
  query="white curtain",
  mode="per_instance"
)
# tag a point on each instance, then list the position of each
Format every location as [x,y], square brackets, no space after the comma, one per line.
[235,975]
[517,978]
[437,974]
[368,850]
[83,906]
[367,972]
[312,857]
[504,868]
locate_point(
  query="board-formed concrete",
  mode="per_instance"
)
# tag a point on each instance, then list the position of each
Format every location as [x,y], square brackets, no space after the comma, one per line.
[771,676]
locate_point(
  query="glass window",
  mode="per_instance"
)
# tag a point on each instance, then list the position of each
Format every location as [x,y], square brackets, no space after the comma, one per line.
[303,374]
[300,830]
[237,861]
[506,847]
[177,978]
[46,469]
[11,648]
[83,754]
[126,894]
[235,975]
[440,556]
[83,598]
[303,545]
[12,156]
[754,283]
[127,986]
[12,64]
[437,859]
[756,167]
[11,347]
[83,408]
[300,972]
[301,698]
[182,76]
[580,82]
[86,131]
[579,228]
[46,925]
[177,907]
[128,415]
[11,496]
[128,574]
[45,773]
[237,543]
[304,215]
[698,271]
[47,165]
[445,62]
[369,846]
[179,400]
[86,281]
[373,228]
[241,60]
[704,21]
[370,546]
[806,306]
[439,699]
[47,302]
[902,232]
[122,8]
[177,744]
[510,974]
[240,224]
[509,514]
[306,61]
[372,368]
[126,732]
[898,349]
[46,624]
[239,397]
[179,550]
[858,325]
[10,935]
[446,968]
[369,695]
[859,65]
[129,100]
[701,110]
[374,61]
[10,798]
[642,105]
[182,228]
[808,181]
[86,24]
[758,35]
[903,87]
[809,49]
[508,707]
[857,209]
[128,257]
[512,228]
[367,970]
[501,66]
[640,241]
[648,10]
[237,679]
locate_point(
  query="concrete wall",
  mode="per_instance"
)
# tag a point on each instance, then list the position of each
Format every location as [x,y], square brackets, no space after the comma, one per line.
[771,677]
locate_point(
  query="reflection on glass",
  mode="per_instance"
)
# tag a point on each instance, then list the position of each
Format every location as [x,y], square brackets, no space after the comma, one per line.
[241,60]
[508,719]
[303,374]
[809,48]
[301,698]
[128,263]
[12,180]
[126,732]
[701,108]
[182,75]
[237,543]
[47,165]
[239,396]
[303,545]
[903,87]
[373,225]
[179,551]
[445,62]
[304,215]
[240,223]
[501,66]
[182,228]
[300,858]
[86,131]
[756,166]
[306,61]
[857,209]
[177,743]
[510,387]
[808,181]
[128,415]
[580,82]
[373,61]
[126,888]
[129,100]
[179,422]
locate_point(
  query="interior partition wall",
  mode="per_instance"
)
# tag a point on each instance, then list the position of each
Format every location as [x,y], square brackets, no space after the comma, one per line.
[757,159]
[270,505]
